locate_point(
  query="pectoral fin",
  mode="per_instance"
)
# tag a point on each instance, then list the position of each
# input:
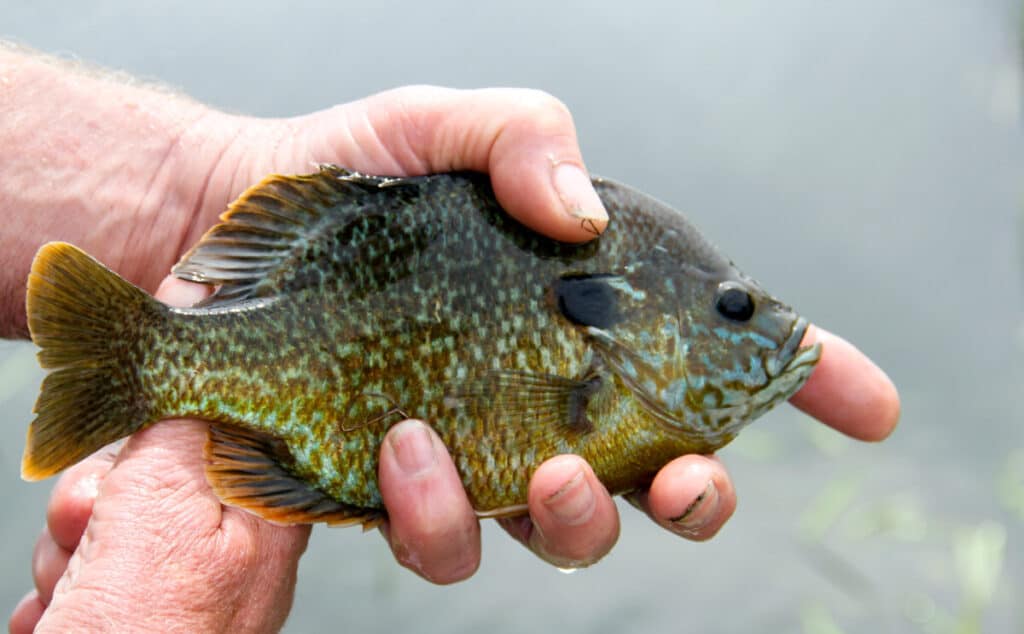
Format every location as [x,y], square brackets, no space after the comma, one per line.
[248,470]
[552,406]
[644,381]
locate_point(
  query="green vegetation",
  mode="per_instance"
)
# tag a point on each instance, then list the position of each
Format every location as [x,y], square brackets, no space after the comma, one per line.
[958,562]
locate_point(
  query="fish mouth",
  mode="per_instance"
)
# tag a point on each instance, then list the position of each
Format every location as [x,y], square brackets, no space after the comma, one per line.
[792,357]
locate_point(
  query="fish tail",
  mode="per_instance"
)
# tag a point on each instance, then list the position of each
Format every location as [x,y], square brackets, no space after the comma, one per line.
[85,319]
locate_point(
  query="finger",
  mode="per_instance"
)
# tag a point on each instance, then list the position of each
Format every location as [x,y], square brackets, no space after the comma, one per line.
[573,521]
[432,528]
[278,547]
[177,292]
[692,496]
[26,614]
[167,455]
[266,558]
[525,139]
[848,391]
[71,501]
[49,561]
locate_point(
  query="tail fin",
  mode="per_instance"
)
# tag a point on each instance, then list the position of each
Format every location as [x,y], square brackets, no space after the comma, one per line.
[85,320]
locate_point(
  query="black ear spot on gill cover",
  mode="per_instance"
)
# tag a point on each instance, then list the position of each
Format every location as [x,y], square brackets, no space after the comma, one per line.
[734,303]
[588,299]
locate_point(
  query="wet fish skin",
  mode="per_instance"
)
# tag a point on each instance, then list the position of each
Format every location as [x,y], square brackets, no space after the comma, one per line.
[346,303]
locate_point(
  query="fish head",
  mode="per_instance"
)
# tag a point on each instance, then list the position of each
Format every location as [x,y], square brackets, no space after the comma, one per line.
[706,354]
[702,347]
[738,352]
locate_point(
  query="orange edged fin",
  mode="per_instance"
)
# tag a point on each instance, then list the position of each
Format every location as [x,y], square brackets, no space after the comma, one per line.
[246,469]
[271,230]
[373,522]
[83,317]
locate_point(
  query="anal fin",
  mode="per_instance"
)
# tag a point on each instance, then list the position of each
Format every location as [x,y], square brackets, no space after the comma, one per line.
[248,470]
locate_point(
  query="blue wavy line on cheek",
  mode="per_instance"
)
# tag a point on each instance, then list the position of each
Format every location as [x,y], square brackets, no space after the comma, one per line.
[752,376]
[736,337]
[627,368]
[674,396]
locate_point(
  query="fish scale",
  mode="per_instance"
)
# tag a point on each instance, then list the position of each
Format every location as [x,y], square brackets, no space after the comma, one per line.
[345,303]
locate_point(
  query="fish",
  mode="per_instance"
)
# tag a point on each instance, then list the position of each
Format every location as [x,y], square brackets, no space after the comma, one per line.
[344,303]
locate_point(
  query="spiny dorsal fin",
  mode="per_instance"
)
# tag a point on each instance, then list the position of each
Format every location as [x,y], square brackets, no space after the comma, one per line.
[272,227]
[247,469]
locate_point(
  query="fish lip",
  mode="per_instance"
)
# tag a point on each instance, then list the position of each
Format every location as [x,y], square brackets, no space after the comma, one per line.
[791,356]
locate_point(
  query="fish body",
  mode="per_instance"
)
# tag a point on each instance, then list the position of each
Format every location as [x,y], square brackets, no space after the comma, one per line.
[346,303]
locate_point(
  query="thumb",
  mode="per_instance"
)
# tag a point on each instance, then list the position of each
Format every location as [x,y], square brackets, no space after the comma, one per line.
[525,139]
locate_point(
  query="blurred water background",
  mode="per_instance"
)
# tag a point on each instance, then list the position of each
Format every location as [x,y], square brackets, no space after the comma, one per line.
[861,158]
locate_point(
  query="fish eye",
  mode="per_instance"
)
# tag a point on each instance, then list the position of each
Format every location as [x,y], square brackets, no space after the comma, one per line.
[734,303]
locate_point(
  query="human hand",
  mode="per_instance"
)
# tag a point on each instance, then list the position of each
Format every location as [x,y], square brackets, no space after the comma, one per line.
[572,520]
[156,511]
[520,138]
[144,528]
[137,540]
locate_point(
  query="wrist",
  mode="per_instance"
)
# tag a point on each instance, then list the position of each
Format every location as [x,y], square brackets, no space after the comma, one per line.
[89,158]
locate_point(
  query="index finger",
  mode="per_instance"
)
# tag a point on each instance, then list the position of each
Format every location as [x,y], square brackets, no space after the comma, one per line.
[847,391]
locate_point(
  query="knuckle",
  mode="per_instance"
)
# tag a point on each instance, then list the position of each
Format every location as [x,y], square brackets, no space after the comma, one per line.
[542,109]
[245,550]
[242,549]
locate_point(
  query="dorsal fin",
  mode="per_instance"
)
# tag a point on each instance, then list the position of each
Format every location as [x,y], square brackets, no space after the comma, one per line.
[273,226]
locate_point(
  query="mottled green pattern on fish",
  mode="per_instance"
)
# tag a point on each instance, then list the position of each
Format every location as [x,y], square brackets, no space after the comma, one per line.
[346,303]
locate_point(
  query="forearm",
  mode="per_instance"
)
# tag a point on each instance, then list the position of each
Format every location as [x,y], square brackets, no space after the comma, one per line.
[94,159]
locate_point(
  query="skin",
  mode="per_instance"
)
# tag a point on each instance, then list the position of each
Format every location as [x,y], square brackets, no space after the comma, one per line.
[135,176]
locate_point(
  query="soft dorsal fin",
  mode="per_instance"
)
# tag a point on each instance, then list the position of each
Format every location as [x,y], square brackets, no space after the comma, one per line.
[248,470]
[273,226]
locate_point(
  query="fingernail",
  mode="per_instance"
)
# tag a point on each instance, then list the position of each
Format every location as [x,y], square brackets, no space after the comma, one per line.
[574,502]
[577,193]
[701,511]
[413,446]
